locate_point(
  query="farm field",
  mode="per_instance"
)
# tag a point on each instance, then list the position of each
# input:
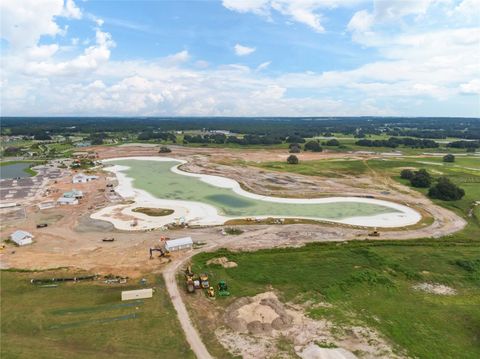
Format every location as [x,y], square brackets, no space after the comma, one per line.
[86,320]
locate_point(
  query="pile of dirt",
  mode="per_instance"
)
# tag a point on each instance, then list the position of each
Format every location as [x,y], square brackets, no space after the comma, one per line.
[262,326]
[258,315]
[223,261]
[435,288]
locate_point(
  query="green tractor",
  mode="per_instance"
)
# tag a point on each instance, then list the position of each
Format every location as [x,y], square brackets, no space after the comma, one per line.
[223,289]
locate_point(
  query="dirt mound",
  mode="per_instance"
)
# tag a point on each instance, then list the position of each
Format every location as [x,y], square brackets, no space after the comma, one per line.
[313,351]
[258,315]
[223,261]
[435,288]
[263,327]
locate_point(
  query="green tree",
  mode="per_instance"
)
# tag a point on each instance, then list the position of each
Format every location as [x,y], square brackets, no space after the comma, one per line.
[449,158]
[313,146]
[445,190]
[421,179]
[333,142]
[406,174]
[292,160]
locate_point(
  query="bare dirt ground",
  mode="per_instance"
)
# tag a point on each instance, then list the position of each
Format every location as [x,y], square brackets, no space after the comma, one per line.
[73,239]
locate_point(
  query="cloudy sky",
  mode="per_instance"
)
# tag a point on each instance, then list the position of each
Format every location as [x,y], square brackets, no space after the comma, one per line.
[240,57]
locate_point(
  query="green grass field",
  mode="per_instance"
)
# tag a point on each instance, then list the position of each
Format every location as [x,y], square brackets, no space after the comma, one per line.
[86,320]
[372,283]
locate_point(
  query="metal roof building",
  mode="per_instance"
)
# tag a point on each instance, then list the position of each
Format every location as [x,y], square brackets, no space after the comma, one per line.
[21,237]
[179,244]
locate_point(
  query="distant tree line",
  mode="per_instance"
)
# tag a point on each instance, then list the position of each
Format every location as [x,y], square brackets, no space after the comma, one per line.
[281,127]
[394,142]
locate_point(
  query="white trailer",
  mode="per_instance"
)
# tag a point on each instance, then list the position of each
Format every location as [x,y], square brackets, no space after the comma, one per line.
[137,294]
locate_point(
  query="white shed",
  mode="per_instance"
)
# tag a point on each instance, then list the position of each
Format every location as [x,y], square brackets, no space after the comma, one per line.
[64,200]
[179,244]
[137,294]
[21,237]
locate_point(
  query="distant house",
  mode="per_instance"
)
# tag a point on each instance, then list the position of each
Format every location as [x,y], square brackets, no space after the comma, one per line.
[21,238]
[178,244]
[83,178]
[73,194]
[67,201]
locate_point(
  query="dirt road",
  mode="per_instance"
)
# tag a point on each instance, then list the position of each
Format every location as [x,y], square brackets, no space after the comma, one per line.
[191,334]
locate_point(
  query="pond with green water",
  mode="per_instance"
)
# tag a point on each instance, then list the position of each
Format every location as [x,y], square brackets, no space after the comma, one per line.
[157,179]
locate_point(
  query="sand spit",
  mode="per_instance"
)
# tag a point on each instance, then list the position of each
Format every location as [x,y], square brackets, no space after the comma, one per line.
[197,213]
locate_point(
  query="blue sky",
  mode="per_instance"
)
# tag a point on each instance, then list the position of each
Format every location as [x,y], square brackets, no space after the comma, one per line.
[241,57]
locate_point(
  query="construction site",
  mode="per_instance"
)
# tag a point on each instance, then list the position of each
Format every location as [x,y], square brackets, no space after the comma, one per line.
[141,260]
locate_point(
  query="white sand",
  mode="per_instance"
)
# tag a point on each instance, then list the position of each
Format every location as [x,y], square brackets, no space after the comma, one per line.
[198,213]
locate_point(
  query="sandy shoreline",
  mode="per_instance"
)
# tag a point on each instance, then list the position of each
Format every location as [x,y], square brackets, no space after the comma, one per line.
[198,213]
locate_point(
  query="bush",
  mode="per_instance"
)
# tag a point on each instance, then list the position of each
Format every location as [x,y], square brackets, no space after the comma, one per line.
[406,174]
[446,190]
[292,160]
[471,149]
[294,148]
[164,149]
[332,142]
[421,179]
[313,146]
[449,158]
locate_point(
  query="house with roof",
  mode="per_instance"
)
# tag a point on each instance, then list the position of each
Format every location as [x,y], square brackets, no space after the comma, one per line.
[83,178]
[73,194]
[21,238]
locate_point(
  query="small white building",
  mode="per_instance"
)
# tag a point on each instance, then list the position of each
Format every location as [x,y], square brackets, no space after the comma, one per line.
[179,244]
[83,178]
[21,238]
[67,201]
[137,294]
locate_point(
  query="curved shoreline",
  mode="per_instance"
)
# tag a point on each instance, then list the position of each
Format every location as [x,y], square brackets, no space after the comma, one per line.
[199,213]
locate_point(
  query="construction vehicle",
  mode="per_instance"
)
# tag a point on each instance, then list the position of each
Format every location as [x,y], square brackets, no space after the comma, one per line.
[163,252]
[189,280]
[42,225]
[375,233]
[211,292]
[108,239]
[204,281]
[223,289]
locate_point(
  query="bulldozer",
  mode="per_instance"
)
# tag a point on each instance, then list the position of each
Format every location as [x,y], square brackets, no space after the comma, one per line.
[223,289]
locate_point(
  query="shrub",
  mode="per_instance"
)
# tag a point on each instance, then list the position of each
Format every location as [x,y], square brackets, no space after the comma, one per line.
[313,146]
[332,142]
[294,148]
[292,160]
[164,149]
[406,174]
[421,179]
[449,158]
[446,190]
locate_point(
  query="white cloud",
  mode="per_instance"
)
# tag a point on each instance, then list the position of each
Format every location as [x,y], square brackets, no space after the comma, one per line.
[302,11]
[23,24]
[361,21]
[263,65]
[177,58]
[471,88]
[241,50]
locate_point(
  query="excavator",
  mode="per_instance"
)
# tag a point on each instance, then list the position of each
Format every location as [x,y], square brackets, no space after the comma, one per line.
[163,252]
